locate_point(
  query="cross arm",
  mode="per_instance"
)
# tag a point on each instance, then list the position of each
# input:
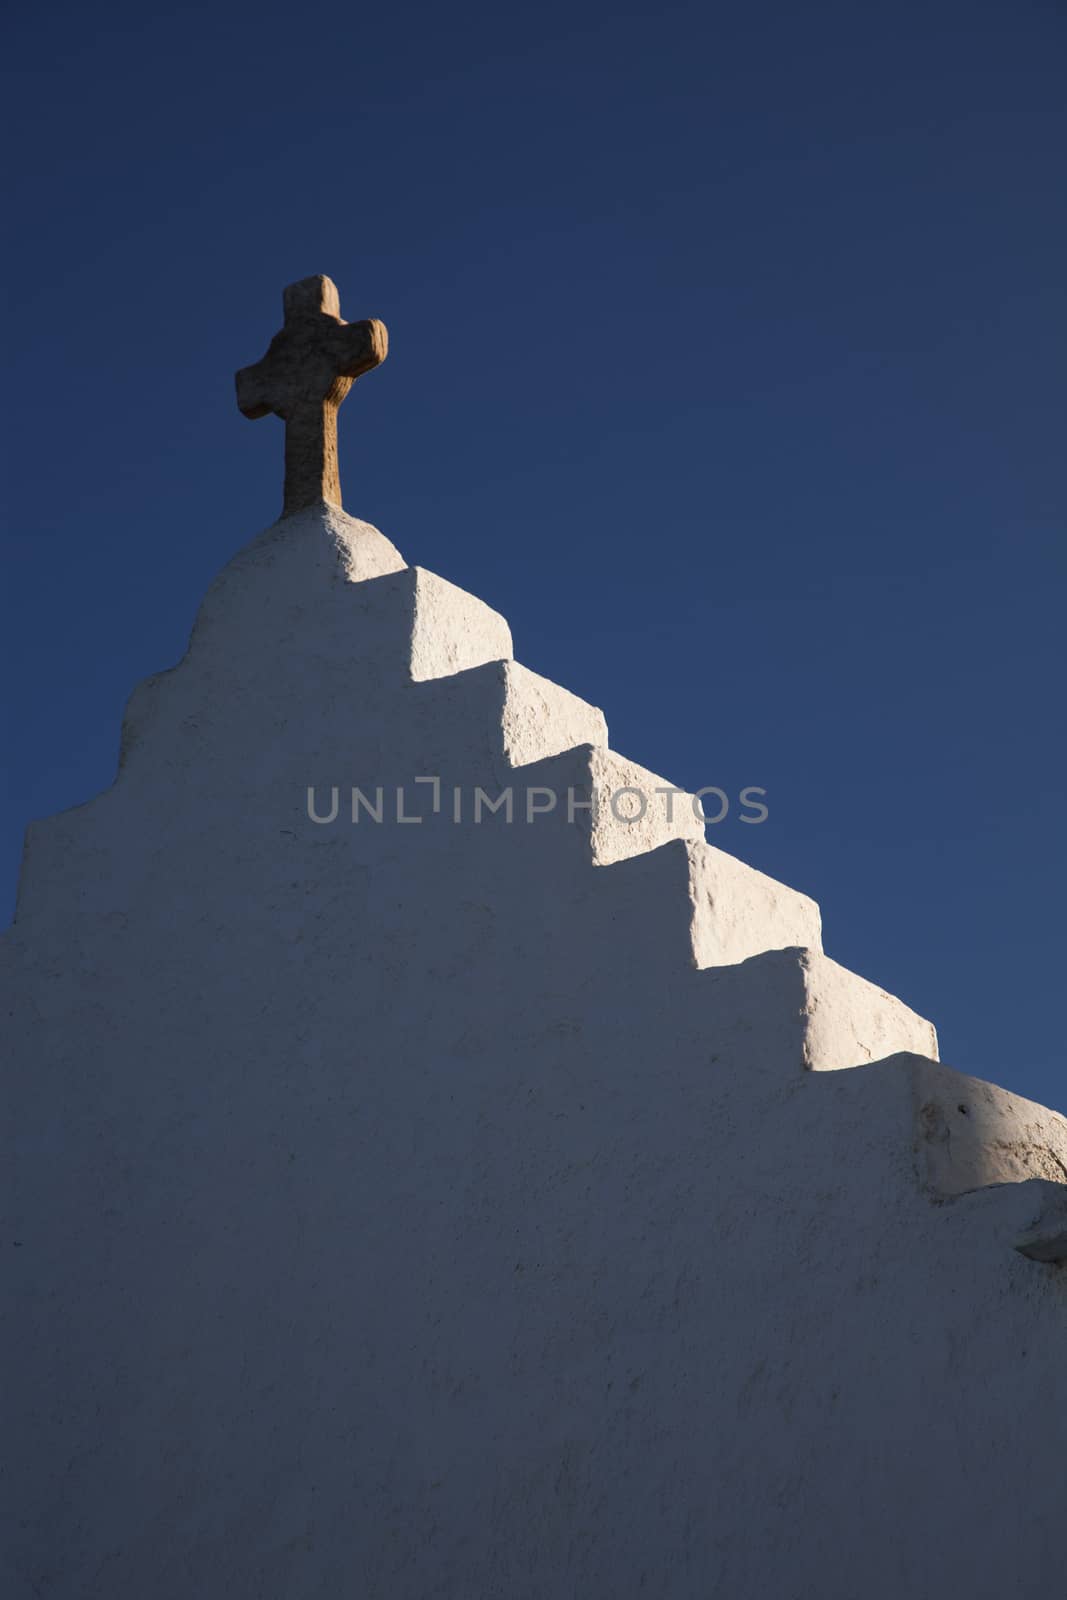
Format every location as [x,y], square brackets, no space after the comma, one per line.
[253,390]
[358,347]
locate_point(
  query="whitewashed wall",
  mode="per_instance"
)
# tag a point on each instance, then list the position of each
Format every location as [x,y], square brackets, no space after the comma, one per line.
[437,1210]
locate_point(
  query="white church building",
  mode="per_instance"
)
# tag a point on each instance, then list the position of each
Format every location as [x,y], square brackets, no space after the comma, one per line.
[440,1174]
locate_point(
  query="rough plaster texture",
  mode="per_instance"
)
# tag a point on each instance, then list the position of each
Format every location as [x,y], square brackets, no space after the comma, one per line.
[450,1210]
[974,1134]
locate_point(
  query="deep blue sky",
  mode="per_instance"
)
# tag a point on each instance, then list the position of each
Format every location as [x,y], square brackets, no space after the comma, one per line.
[728,349]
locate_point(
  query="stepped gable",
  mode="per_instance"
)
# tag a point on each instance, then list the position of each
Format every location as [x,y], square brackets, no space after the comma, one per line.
[375,670]
[517,1205]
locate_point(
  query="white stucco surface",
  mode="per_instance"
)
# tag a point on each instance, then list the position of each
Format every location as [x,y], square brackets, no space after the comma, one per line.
[437,1210]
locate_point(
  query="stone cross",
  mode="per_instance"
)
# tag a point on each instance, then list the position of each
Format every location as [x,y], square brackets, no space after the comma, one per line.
[306,373]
